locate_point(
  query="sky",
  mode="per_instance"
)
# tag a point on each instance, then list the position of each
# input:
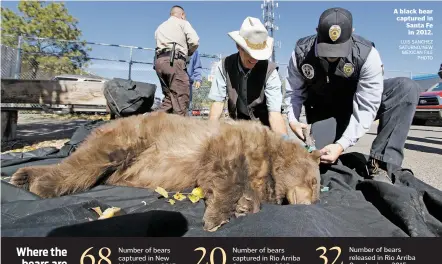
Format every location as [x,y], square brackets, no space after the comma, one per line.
[134,23]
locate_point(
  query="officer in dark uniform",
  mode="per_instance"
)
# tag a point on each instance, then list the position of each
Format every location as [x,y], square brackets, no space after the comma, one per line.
[339,78]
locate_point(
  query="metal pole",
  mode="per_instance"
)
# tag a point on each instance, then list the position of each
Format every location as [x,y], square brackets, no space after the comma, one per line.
[130,63]
[18,59]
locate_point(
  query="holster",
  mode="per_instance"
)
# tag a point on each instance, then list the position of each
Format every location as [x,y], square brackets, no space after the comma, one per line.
[172,55]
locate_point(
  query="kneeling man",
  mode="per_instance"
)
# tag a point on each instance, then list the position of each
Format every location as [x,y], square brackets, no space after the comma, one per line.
[339,78]
[249,80]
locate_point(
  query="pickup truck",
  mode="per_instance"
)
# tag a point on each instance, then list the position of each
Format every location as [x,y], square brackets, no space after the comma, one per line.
[429,106]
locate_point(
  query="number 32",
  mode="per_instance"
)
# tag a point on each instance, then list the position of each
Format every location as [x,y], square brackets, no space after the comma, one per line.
[324,250]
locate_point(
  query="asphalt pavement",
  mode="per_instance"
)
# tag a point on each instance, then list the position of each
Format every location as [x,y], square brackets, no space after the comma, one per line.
[422,152]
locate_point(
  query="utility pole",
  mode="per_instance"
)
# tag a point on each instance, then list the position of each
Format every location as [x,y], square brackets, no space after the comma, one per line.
[268,14]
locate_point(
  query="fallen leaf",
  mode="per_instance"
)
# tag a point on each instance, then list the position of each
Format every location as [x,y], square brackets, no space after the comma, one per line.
[97,210]
[198,192]
[193,198]
[179,196]
[172,201]
[162,192]
[110,212]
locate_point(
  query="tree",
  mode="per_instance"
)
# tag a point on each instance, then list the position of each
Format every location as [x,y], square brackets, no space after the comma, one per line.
[45,21]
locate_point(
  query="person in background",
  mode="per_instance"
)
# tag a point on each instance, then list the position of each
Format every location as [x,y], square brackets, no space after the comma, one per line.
[339,78]
[194,70]
[173,78]
[248,80]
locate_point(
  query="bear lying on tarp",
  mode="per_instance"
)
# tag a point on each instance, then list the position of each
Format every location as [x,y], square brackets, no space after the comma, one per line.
[237,164]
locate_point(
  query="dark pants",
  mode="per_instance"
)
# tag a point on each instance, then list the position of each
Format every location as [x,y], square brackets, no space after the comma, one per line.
[175,85]
[395,115]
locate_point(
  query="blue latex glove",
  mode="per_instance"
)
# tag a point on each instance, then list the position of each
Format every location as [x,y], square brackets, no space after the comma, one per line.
[309,148]
[285,137]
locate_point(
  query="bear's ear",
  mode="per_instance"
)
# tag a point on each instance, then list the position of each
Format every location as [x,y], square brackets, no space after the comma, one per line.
[316,156]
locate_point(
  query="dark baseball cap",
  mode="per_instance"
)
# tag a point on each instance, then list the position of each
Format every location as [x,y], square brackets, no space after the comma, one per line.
[334,33]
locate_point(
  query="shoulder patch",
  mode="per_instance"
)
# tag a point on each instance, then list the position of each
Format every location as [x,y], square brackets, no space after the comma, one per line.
[308,71]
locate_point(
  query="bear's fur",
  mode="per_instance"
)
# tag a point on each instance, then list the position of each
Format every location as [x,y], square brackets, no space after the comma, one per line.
[238,165]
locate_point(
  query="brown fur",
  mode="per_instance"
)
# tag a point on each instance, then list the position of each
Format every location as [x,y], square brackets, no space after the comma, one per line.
[239,165]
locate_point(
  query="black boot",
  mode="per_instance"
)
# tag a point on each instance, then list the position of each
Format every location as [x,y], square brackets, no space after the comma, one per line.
[377,170]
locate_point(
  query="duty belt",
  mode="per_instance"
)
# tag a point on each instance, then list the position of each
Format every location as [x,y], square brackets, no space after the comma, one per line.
[167,53]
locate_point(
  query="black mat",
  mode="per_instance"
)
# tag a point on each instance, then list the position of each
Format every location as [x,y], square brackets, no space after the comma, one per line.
[352,207]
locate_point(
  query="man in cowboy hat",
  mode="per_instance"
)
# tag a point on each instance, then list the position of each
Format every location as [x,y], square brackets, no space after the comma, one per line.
[173,75]
[248,80]
[339,78]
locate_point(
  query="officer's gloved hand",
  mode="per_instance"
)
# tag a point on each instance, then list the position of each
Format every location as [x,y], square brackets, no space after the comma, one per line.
[297,129]
[309,148]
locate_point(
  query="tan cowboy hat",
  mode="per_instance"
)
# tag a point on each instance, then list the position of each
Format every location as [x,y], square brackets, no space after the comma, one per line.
[254,39]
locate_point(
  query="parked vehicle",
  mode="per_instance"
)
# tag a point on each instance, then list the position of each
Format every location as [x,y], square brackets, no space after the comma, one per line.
[205,112]
[429,106]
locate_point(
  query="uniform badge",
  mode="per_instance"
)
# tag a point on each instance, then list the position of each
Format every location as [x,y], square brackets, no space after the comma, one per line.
[308,71]
[348,69]
[334,32]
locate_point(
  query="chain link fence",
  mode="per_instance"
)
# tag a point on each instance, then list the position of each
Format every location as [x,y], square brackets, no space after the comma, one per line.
[34,58]
[9,61]
[26,57]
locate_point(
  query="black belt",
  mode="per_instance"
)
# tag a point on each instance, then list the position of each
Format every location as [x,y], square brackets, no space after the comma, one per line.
[167,54]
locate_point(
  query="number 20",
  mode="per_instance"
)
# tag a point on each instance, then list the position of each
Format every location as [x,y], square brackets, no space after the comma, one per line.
[212,261]
[324,250]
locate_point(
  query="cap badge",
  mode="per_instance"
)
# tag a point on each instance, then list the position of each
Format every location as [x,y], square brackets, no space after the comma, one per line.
[334,32]
[308,71]
[348,69]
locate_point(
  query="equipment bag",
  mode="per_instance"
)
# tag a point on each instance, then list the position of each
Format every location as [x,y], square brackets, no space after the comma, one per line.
[127,97]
